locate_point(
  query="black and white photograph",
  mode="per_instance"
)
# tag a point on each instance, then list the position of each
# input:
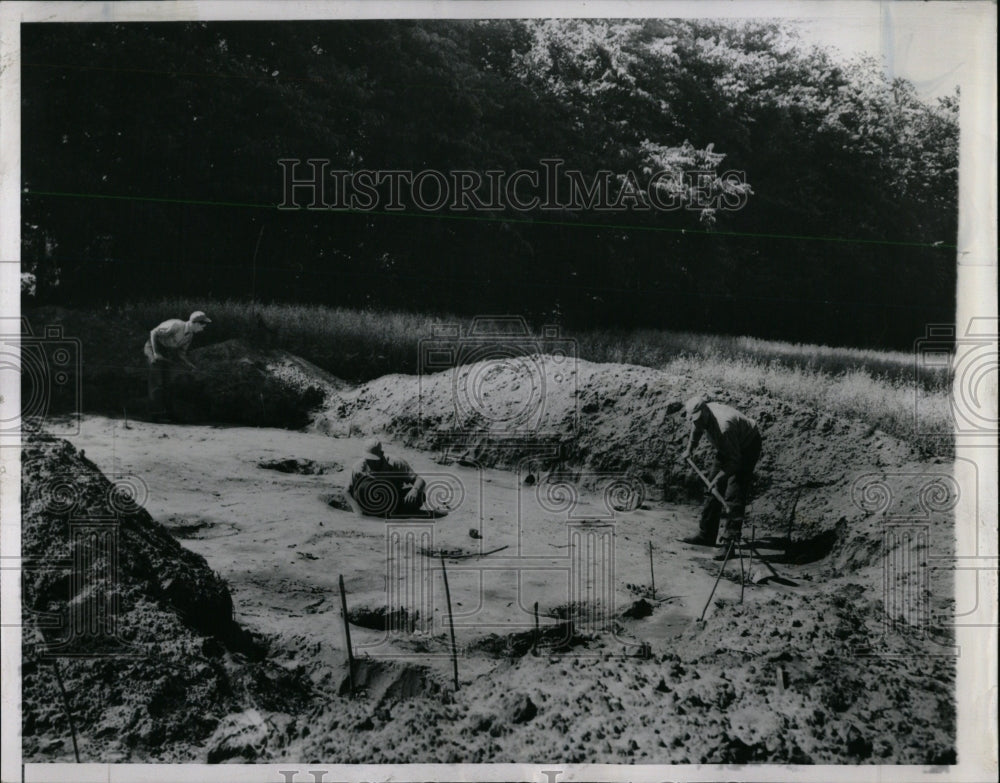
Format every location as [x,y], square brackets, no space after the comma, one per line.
[556,393]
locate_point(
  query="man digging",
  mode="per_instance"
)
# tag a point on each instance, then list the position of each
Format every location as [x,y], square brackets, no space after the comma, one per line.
[737,445]
[386,486]
[167,346]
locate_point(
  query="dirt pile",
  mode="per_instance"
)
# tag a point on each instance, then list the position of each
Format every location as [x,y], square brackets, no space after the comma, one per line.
[798,687]
[809,676]
[139,629]
[237,381]
[237,384]
[585,421]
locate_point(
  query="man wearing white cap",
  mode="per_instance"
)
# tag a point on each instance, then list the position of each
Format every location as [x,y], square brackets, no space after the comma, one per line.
[737,445]
[386,486]
[167,345]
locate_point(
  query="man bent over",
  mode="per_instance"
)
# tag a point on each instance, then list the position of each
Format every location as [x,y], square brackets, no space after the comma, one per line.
[386,486]
[737,446]
[167,346]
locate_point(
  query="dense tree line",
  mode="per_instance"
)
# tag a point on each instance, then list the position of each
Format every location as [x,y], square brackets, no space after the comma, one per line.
[150,167]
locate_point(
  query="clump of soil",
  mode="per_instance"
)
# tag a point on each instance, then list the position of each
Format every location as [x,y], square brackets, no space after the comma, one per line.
[382,683]
[337,499]
[382,618]
[197,527]
[169,661]
[304,467]
[638,610]
[550,638]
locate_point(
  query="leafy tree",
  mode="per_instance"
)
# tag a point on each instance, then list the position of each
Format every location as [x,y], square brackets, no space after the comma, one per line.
[162,142]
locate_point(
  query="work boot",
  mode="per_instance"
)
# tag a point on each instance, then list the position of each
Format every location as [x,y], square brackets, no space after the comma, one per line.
[732,530]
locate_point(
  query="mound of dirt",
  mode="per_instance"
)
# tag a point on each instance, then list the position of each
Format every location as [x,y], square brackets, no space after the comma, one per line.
[795,688]
[552,418]
[237,384]
[551,638]
[139,630]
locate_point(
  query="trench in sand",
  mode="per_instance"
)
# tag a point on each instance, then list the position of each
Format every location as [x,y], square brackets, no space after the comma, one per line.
[282,548]
[569,529]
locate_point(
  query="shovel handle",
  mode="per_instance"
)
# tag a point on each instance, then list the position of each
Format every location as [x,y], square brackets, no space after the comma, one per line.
[708,484]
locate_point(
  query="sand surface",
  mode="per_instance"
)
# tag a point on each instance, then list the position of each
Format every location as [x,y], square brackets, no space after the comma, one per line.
[282,548]
[832,669]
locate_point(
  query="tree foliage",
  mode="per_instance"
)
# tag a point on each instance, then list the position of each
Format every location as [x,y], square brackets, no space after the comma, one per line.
[150,169]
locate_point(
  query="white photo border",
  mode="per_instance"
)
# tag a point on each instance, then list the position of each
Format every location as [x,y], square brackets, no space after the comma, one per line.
[973,23]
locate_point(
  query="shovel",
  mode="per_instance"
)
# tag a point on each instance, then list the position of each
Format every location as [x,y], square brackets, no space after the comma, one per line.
[709,484]
[778,578]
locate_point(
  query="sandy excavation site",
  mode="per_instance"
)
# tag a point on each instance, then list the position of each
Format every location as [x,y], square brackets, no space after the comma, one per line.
[562,483]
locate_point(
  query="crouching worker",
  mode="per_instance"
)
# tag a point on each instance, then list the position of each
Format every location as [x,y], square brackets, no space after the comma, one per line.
[737,446]
[386,486]
[167,347]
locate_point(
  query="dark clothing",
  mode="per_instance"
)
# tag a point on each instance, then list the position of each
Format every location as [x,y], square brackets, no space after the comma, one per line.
[732,434]
[381,490]
[160,371]
[734,487]
[160,399]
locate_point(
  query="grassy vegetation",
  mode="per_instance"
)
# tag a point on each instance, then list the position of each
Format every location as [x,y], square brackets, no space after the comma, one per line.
[878,387]
[358,344]
[890,405]
[654,348]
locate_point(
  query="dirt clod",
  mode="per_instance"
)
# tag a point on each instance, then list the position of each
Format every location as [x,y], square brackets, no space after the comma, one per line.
[521,709]
[639,609]
[304,467]
[240,736]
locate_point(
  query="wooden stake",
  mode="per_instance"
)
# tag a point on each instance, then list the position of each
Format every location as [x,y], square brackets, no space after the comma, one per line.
[69,710]
[743,576]
[62,693]
[451,623]
[729,551]
[534,647]
[652,579]
[791,517]
[347,634]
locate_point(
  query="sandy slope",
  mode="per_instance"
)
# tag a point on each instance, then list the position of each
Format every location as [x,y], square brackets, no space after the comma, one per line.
[788,675]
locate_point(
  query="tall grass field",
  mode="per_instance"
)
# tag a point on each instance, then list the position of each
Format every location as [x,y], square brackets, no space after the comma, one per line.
[883,388]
